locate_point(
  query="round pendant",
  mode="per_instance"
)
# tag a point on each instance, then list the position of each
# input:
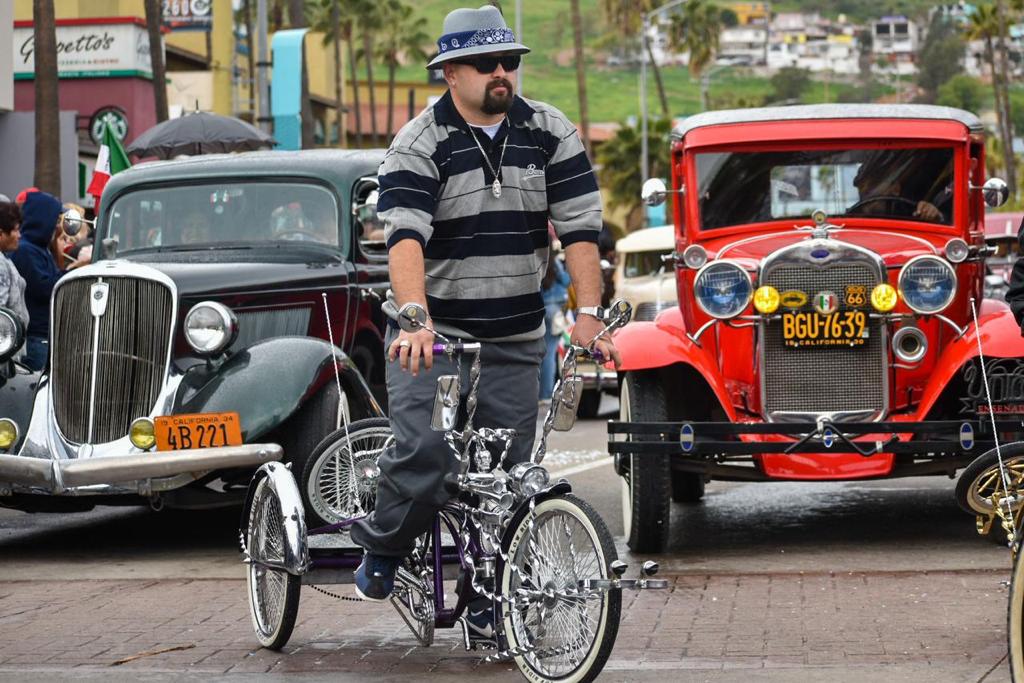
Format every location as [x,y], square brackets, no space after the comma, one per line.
[496,188]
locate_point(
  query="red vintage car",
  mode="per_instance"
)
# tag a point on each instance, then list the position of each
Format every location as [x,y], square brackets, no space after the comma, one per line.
[830,264]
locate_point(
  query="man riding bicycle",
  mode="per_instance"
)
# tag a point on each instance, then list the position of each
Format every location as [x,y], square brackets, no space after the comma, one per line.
[466,192]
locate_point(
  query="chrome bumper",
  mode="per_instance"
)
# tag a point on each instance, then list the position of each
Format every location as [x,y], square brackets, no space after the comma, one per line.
[595,377]
[57,476]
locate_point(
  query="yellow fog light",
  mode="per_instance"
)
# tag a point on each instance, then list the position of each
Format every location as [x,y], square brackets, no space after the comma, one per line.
[8,433]
[766,299]
[884,298]
[142,434]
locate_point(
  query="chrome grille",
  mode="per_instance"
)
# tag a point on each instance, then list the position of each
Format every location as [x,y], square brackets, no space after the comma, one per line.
[254,326]
[130,357]
[649,310]
[826,379]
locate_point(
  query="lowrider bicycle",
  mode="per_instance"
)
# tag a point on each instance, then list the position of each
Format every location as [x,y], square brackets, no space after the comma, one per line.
[231,311]
[829,263]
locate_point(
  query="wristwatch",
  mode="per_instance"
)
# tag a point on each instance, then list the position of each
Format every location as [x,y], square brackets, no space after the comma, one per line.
[595,311]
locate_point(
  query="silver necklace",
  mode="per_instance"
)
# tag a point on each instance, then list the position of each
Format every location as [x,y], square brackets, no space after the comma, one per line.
[496,185]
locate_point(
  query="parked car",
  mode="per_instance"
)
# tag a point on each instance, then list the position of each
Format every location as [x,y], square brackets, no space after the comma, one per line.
[829,265]
[231,311]
[1003,241]
[642,276]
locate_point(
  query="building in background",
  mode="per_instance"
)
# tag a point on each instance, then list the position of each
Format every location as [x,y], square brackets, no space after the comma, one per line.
[894,45]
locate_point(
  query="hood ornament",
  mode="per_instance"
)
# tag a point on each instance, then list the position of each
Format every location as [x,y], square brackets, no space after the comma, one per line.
[821,228]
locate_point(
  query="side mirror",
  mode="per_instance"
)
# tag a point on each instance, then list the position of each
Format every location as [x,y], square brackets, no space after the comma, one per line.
[995,192]
[565,402]
[653,192]
[412,317]
[446,403]
[71,222]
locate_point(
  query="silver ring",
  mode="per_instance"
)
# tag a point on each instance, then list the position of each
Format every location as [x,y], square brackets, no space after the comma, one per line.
[405,342]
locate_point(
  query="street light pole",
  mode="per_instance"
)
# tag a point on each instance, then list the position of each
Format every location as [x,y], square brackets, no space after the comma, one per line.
[262,82]
[645,28]
[519,37]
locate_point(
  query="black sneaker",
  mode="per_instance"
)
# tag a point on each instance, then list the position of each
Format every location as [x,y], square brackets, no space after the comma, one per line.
[481,622]
[375,577]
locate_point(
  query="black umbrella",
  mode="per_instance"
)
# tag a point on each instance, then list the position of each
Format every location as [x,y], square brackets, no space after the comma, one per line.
[199,133]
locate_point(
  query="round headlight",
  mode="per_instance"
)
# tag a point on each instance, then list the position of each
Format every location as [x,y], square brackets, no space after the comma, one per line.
[884,297]
[11,333]
[210,327]
[695,256]
[722,289]
[8,433]
[529,479]
[956,250]
[142,434]
[766,299]
[927,284]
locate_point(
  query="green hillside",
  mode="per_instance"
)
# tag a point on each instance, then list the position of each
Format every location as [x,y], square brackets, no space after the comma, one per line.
[613,93]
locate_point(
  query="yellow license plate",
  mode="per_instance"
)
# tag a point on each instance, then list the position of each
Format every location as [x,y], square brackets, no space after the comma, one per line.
[201,430]
[842,328]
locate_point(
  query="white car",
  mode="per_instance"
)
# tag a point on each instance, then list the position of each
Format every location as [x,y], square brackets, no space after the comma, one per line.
[641,275]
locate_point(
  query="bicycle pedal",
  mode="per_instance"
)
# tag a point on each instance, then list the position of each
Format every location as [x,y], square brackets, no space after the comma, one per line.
[474,642]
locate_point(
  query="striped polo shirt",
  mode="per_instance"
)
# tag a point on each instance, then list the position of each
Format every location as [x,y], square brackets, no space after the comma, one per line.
[485,256]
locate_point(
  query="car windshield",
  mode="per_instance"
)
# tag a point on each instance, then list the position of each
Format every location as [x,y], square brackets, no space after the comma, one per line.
[224,214]
[751,187]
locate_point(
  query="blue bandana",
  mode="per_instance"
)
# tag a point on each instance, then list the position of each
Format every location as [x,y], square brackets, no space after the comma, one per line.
[465,39]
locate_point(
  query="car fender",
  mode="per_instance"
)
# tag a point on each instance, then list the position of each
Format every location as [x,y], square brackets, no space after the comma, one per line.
[295,548]
[663,343]
[17,400]
[266,383]
[1000,338]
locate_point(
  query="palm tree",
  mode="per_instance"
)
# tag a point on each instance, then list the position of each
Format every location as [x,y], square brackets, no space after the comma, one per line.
[581,75]
[369,21]
[154,22]
[1004,84]
[616,160]
[626,17]
[297,13]
[336,19]
[44,32]
[984,26]
[404,36]
[696,30]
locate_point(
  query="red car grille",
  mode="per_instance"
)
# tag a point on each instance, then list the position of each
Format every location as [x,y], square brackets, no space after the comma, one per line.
[827,379]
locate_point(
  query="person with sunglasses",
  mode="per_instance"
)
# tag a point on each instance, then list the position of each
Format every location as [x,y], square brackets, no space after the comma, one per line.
[466,192]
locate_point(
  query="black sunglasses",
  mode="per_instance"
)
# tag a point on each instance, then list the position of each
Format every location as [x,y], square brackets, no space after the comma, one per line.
[487,64]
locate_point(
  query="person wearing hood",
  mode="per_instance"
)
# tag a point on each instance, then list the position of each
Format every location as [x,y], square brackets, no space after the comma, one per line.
[34,261]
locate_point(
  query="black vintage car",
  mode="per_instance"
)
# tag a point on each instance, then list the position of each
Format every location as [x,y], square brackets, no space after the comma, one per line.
[232,311]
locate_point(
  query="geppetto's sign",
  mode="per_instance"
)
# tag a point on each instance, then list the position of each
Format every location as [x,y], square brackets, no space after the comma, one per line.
[88,48]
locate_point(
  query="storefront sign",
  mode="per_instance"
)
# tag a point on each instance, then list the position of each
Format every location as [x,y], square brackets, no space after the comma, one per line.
[88,49]
[188,15]
[114,117]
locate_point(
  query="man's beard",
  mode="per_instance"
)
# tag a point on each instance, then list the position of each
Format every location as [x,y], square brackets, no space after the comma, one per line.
[497,104]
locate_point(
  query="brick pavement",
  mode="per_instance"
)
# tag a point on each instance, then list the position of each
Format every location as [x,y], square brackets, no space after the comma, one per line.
[934,623]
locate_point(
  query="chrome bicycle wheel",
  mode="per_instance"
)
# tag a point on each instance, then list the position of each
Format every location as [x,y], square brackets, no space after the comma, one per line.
[563,636]
[339,480]
[273,593]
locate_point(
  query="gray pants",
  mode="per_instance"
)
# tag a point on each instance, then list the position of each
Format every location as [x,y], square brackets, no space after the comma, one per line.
[411,487]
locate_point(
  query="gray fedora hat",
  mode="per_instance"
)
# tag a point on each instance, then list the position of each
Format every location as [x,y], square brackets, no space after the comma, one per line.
[469,32]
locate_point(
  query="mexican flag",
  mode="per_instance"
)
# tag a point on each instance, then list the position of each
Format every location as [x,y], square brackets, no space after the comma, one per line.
[112,159]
